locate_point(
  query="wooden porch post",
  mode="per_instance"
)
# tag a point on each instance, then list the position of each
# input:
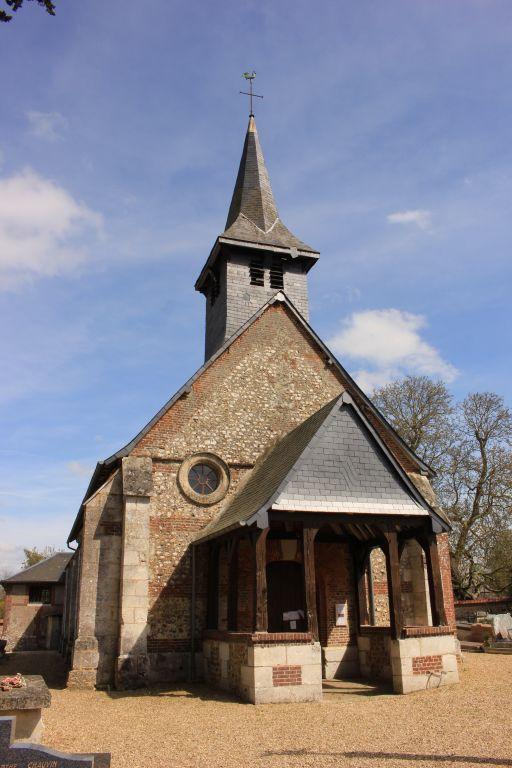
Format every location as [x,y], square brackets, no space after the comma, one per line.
[435,581]
[233,586]
[394,585]
[371,592]
[360,554]
[308,541]
[260,581]
[212,599]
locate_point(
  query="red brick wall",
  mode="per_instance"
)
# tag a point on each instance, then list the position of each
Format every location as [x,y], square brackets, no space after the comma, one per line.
[286,674]
[335,584]
[443,548]
[422,665]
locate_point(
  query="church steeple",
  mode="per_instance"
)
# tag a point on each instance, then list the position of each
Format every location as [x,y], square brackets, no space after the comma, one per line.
[255,256]
[252,196]
[253,215]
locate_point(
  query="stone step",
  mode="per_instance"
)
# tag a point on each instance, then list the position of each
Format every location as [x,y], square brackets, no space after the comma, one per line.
[471,647]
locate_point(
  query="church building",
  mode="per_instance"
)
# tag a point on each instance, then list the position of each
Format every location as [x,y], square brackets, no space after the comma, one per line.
[267,530]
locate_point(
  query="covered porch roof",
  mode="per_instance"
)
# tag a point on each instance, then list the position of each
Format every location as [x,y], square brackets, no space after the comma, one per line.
[333,463]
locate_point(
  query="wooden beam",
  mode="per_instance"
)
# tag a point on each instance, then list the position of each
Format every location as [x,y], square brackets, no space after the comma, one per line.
[233,585]
[435,581]
[371,592]
[260,581]
[212,596]
[308,544]
[358,557]
[394,584]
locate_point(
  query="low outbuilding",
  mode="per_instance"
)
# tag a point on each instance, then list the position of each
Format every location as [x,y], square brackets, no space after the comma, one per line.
[34,601]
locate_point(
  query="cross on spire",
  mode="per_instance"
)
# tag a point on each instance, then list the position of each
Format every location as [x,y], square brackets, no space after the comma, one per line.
[250,77]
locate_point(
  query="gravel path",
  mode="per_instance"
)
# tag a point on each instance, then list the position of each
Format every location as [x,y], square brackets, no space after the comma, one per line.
[465,725]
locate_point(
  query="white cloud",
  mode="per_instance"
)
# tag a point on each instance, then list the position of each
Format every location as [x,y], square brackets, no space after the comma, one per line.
[79,468]
[42,229]
[47,125]
[389,343]
[422,218]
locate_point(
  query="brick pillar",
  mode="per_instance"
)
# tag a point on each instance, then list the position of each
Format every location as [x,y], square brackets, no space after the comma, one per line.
[132,666]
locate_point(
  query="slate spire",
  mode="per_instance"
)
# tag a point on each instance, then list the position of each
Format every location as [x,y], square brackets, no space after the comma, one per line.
[252,195]
[253,215]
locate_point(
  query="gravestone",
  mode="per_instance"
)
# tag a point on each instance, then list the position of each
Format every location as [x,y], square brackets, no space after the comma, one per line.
[26,705]
[25,755]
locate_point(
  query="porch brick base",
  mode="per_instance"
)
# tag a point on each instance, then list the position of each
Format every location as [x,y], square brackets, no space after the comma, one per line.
[419,663]
[266,673]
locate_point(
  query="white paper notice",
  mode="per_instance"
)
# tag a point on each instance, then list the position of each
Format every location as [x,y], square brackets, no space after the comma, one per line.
[341,614]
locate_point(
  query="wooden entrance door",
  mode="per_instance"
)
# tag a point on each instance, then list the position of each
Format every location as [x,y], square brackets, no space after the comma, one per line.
[285,595]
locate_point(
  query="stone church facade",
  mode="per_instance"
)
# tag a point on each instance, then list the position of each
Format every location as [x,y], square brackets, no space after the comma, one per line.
[267,529]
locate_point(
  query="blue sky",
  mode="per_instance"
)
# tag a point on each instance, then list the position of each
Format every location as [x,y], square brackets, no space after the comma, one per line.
[386,130]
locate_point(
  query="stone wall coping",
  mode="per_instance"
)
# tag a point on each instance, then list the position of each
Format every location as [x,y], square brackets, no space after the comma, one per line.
[35,695]
[259,638]
[408,631]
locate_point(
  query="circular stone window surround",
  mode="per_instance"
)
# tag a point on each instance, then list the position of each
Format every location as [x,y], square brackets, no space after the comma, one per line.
[217,465]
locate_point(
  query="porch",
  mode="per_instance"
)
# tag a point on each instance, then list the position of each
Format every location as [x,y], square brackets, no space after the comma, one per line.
[314,597]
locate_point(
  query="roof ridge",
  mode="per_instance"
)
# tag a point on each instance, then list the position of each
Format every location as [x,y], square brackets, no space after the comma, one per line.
[281,297]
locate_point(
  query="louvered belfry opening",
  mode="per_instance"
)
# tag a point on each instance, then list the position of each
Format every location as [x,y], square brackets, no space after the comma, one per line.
[257,272]
[276,273]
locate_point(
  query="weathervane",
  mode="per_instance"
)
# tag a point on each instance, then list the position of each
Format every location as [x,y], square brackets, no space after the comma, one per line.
[250,77]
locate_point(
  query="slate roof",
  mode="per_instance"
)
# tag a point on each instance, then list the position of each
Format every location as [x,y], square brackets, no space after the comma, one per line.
[332,462]
[253,215]
[345,469]
[106,467]
[49,571]
[267,476]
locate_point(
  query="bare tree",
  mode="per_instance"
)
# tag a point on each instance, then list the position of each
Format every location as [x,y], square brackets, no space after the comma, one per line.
[469,447]
[421,410]
[476,491]
[15,5]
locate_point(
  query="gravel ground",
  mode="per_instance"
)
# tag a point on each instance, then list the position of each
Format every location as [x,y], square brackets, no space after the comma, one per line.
[465,725]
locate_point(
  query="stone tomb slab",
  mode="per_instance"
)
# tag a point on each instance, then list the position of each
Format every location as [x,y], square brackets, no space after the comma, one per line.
[26,755]
[26,704]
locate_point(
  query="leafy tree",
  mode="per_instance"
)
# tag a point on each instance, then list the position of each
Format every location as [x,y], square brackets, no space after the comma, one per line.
[469,447]
[34,556]
[15,5]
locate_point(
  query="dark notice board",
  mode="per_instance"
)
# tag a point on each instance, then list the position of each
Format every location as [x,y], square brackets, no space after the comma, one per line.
[21,755]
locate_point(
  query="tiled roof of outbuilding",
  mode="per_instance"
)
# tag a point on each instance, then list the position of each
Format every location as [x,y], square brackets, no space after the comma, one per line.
[49,571]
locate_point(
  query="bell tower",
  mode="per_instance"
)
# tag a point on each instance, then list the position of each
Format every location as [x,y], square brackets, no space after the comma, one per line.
[255,257]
